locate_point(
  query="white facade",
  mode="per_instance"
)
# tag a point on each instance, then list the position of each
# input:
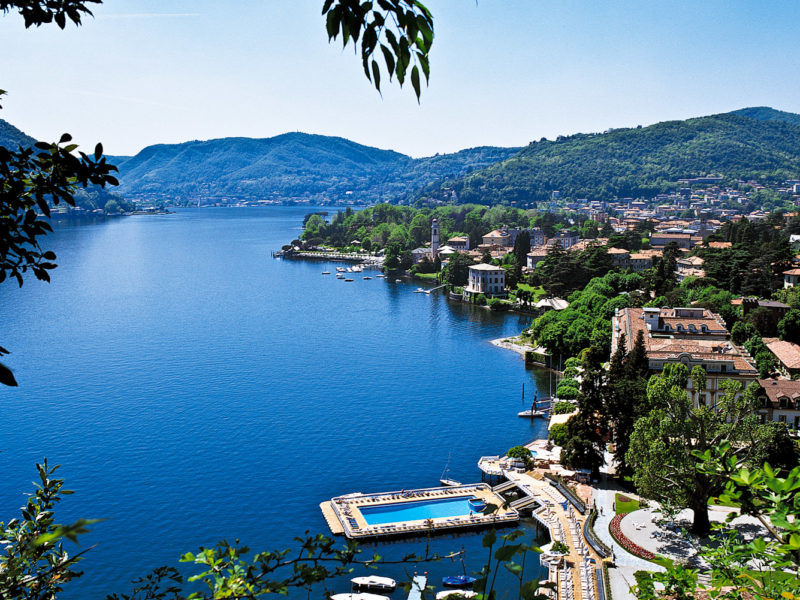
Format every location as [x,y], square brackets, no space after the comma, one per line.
[486,279]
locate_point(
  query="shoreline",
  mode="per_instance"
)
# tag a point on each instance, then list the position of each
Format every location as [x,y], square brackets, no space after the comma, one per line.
[509,344]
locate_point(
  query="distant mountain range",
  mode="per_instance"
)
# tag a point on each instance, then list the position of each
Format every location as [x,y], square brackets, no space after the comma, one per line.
[290,166]
[752,143]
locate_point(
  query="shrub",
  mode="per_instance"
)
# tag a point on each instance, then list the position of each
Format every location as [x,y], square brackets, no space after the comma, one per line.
[497,304]
[572,362]
[480,300]
[559,547]
[568,393]
[625,542]
[558,434]
[562,408]
[571,372]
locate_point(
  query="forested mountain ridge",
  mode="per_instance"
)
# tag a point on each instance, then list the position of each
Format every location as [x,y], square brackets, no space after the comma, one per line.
[642,161]
[291,165]
[89,199]
[12,138]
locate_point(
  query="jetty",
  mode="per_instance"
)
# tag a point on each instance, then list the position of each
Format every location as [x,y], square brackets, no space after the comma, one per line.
[349,257]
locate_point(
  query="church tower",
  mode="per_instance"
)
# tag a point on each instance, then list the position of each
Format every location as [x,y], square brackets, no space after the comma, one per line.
[434,239]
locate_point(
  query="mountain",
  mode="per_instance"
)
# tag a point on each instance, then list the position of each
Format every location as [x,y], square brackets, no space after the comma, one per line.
[12,138]
[292,165]
[643,161]
[765,113]
[89,199]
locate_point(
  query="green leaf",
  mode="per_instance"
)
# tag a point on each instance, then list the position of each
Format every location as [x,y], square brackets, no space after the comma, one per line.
[415,80]
[7,376]
[388,58]
[376,75]
[489,539]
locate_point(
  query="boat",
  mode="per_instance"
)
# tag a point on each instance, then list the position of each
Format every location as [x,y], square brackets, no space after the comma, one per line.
[326,272]
[374,582]
[365,278]
[380,275]
[477,504]
[458,581]
[359,596]
[456,594]
[444,480]
[398,281]
[419,291]
[340,269]
[348,279]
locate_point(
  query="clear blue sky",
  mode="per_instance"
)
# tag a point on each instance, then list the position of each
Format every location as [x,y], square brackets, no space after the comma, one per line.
[504,72]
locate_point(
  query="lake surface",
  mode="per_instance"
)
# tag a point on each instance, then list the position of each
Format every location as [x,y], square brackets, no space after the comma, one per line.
[193,389]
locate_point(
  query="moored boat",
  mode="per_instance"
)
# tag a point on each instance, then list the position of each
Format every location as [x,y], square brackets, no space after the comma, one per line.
[326,272]
[456,594]
[359,596]
[458,581]
[374,582]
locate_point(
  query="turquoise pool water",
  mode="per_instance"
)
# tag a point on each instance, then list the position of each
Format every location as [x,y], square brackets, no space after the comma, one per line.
[414,511]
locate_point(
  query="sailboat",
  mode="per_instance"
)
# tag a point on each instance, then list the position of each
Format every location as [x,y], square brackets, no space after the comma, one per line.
[444,480]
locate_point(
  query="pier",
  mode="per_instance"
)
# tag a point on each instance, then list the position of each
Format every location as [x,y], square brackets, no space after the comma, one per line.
[351,257]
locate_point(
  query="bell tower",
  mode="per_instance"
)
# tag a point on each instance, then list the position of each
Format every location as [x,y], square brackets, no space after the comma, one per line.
[434,239]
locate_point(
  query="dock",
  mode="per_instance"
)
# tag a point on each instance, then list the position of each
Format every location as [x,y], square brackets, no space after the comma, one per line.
[343,513]
[418,584]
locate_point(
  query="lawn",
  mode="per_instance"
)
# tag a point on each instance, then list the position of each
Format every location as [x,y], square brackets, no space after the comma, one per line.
[430,276]
[624,504]
[538,292]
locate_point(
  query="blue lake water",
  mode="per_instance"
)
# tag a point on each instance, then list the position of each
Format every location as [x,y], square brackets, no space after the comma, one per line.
[194,389]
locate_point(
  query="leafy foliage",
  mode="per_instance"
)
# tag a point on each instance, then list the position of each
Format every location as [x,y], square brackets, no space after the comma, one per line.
[402,29]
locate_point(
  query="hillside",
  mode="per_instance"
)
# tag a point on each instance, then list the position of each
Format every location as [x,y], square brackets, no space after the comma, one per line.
[292,165]
[88,199]
[642,161]
[765,113]
[12,138]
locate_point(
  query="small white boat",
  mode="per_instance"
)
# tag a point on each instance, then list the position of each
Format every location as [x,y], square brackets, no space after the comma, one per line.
[340,269]
[398,281]
[380,275]
[359,596]
[326,272]
[530,414]
[348,279]
[456,594]
[419,291]
[365,278]
[374,582]
[444,480]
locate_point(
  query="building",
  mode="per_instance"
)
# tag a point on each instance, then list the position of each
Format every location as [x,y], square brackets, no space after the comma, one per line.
[690,336]
[566,238]
[488,280]
[639,262]
[788,355]
[684,240]
[620,257]
[498,237]
[749,304]
[791,278]
[459,243]
[780,401]
[434,238]
[690,266]
[535,257]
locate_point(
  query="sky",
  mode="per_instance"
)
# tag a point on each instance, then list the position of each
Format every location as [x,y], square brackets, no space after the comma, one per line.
[503,72]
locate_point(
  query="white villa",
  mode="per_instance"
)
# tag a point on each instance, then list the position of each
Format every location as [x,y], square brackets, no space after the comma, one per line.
[485,279]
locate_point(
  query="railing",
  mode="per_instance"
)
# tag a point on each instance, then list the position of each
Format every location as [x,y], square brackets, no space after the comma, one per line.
[558,483]
[592,539]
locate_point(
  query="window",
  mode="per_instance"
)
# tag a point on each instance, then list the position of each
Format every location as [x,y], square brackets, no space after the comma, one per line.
[703,328]
[724,368]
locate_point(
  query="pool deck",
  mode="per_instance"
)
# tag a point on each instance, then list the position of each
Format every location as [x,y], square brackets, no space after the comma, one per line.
[343,513]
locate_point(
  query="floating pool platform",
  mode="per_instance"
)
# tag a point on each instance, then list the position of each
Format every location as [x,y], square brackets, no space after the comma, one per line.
[415,512]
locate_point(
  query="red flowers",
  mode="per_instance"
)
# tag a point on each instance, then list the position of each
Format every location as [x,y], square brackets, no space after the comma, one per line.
[633,548]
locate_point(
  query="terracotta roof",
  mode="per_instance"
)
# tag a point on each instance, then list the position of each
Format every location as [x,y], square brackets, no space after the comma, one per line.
[618,251]
[720,244]
[775,389]
[786,352]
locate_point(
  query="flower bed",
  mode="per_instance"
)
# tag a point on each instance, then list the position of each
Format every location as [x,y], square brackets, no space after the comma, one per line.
[622,540]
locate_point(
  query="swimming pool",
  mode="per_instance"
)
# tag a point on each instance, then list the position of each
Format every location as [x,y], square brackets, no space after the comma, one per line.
[417,510]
